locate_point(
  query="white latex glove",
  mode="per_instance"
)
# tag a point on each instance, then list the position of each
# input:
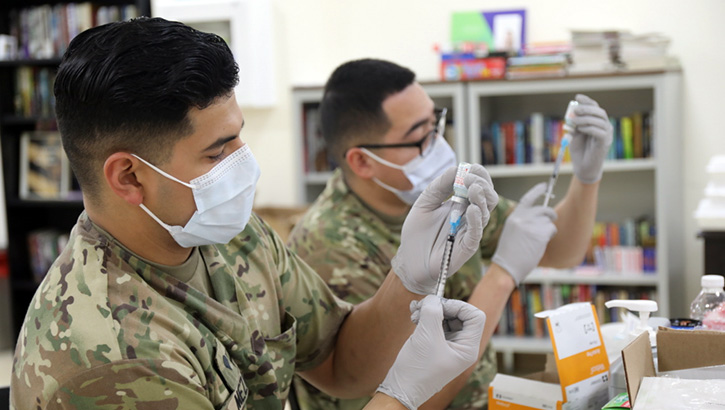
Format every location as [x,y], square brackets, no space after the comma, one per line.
[425,230]
[443,345]
[525,235]
[591,139]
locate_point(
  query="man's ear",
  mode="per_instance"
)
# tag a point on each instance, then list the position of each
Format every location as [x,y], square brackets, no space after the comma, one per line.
[360,163]
[120,170]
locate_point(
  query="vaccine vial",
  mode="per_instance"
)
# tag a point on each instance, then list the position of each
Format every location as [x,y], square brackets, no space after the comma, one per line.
[459,189]
[569,116]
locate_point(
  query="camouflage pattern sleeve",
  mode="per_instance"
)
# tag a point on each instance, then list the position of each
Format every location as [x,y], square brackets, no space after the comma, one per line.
[85,344]
[306,297]
[492,231]
[354,273]
[345,243]
[107,329]
[130,384]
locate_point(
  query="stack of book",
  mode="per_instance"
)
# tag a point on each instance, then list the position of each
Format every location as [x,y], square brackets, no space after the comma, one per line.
[594,51]
[644,51]
[609,50]
[534,66]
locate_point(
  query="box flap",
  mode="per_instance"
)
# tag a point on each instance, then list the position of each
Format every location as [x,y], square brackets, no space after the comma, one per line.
[544,376]
[686,349]
[638,363]
[509,392]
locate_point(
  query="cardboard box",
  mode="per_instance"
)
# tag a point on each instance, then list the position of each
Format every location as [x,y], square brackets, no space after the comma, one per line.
[578,377]
[540,390]
[676,350]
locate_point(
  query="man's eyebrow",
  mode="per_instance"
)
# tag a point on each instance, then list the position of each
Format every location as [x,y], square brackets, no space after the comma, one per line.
[416,125]
[221,141]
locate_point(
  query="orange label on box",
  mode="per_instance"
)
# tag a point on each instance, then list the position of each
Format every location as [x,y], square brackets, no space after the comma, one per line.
[581,358]
[515,393]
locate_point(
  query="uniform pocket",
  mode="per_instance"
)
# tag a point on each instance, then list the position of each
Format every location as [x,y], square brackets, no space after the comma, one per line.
[232,379]
[281,350]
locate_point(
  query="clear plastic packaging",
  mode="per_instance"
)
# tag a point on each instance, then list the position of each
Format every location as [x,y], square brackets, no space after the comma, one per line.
[710,297]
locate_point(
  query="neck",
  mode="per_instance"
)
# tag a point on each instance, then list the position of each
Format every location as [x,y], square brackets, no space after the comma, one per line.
[375,196]
[138,232]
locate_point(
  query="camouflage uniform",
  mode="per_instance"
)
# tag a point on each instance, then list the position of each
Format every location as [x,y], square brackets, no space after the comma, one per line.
[350,245]
[107,330]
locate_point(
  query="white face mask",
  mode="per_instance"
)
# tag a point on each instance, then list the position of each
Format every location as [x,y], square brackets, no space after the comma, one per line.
[421,170]
[224,197]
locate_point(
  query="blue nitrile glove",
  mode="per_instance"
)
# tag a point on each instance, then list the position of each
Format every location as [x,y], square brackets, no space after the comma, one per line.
[445,342]
[425,230]
[591,139]
[525,235]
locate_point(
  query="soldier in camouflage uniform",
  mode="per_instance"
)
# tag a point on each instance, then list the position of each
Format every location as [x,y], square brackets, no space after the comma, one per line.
[208,309]
[377,122]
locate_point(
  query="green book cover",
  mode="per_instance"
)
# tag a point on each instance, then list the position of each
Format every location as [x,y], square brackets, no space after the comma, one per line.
[627,137]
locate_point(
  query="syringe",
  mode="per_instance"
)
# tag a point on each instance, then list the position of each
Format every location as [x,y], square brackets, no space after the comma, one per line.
[565,139]
[460,202]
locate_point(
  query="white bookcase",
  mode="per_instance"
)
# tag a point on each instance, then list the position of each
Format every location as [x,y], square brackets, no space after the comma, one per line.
[629,188]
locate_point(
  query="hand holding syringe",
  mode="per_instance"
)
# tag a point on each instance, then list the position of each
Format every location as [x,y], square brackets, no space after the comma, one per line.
[460,202]
[568,129]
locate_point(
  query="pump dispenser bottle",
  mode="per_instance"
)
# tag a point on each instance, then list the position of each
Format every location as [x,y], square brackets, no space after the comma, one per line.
[644,308]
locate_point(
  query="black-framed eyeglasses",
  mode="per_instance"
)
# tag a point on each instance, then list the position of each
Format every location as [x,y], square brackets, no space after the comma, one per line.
[423,143]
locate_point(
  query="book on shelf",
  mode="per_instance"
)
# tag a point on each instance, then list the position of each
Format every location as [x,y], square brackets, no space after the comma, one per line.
[44,246]
[537,139]
[44,168]
[628,247]
[44,31]
[34,95]
[518,317]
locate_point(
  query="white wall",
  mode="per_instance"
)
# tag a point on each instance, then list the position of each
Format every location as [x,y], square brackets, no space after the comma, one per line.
[315,36]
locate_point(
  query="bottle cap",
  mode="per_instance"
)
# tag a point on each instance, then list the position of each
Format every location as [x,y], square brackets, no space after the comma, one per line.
[712,281]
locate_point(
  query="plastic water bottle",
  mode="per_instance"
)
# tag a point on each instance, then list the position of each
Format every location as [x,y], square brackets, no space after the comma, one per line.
[710,297]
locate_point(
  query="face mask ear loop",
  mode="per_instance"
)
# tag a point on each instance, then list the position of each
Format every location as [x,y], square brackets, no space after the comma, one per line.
[160,171]
[380,160]
[151,214]
[386,186]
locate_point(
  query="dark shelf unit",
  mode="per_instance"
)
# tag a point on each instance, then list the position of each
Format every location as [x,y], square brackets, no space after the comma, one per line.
[24,216]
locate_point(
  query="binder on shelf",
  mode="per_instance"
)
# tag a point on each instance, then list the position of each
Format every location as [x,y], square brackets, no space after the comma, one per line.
[44,168]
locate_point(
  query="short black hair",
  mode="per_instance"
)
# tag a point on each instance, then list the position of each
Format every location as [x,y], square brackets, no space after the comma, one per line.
[351,111]
[128,86]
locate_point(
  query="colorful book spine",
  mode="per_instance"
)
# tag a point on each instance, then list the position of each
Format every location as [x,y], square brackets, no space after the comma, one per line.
[537,139]
[518,317]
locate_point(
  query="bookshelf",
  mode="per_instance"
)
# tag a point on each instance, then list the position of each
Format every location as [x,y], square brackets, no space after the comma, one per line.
[647,186]
[42,219]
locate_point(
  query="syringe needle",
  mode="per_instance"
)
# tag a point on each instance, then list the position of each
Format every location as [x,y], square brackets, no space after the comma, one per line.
[443,276]
[568,129]
[459,201]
